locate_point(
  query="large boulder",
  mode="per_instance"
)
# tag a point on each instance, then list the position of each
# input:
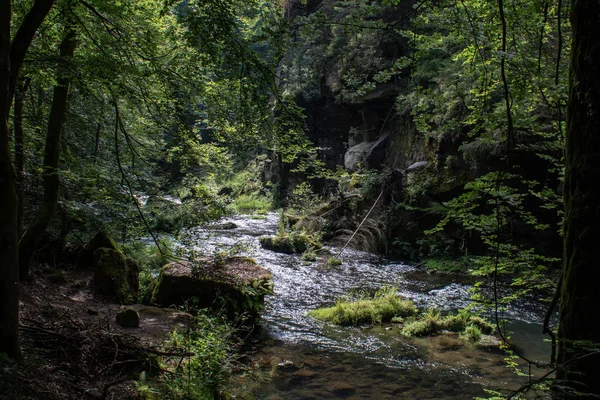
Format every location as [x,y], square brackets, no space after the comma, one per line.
[100,240]
[237,285]
[113,278]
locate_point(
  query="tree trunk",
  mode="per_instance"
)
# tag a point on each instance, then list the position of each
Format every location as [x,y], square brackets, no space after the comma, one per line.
[22,40]
[51,179]
[9,279]
[19,147]
[579,318]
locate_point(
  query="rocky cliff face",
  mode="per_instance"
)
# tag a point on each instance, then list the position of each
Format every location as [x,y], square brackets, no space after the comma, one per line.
[329,71]
[369,106]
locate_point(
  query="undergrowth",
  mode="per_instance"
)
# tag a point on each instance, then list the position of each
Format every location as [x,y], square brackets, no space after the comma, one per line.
[150,260]
[203,368]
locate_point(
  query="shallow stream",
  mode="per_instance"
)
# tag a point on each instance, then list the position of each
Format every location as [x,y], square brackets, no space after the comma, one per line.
[309,359]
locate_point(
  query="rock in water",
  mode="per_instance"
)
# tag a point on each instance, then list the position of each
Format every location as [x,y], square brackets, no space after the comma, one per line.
[128,318]
[236,284]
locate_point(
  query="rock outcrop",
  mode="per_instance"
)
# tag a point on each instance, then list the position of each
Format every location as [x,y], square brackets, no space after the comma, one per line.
[100,240]
[115,277]
[237,285]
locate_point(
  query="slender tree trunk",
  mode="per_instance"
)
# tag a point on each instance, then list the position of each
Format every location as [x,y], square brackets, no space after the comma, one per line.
[579,319]
[19,147]
[9,279]
[51,179]
[22,40]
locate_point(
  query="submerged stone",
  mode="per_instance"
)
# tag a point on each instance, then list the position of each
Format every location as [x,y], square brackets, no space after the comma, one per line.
[236,284]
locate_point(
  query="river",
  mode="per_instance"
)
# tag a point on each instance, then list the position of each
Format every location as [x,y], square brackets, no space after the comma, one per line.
[304,358]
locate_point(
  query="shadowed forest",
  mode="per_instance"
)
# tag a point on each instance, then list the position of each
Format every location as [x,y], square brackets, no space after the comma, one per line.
[299,199]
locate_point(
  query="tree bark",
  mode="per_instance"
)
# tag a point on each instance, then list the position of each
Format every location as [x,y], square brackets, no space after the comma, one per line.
[22,40]
[9,279]
[19,148]
[51,179]
[579,318]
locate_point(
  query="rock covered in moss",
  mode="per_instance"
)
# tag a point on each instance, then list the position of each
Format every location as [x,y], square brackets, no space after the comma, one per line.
[236,284]
[100,240]
[128,318]
[114,276]
[289,243]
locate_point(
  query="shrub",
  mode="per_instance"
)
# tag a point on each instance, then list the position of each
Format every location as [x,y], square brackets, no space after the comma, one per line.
[309,255]
[203,374]
[471,334]
[150,260]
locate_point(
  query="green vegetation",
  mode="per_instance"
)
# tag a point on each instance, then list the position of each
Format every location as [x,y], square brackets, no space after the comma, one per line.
[199,374]
[292,240]
[472,334]
[247,204]
[431,322]
[309,255]
[382,307]
[449,265]
[334,261]
[150,260]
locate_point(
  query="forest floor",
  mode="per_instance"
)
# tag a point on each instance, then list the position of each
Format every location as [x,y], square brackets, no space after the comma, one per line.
[72,346]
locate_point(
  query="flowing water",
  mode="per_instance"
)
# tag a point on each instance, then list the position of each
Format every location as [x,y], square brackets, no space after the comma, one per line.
[309,359]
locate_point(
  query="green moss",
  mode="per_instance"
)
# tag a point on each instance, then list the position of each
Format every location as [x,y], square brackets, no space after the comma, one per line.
[334,262]
[384,306]
[103,240]
[290,242]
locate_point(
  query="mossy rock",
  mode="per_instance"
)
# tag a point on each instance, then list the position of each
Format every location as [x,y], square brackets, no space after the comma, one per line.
[236,284]
[112,277]
[295,242]
[280,244]
[100,240]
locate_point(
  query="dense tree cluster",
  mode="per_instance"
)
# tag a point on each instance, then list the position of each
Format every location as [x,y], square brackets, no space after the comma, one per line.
[103,102]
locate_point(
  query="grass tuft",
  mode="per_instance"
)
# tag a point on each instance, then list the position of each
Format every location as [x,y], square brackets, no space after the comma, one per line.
[384,306]
[432,322]
[246,204]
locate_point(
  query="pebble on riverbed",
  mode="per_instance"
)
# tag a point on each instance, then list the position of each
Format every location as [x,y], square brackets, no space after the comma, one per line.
[287,364]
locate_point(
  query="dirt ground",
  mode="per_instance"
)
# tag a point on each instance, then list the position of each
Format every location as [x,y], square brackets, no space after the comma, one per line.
[72,346]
